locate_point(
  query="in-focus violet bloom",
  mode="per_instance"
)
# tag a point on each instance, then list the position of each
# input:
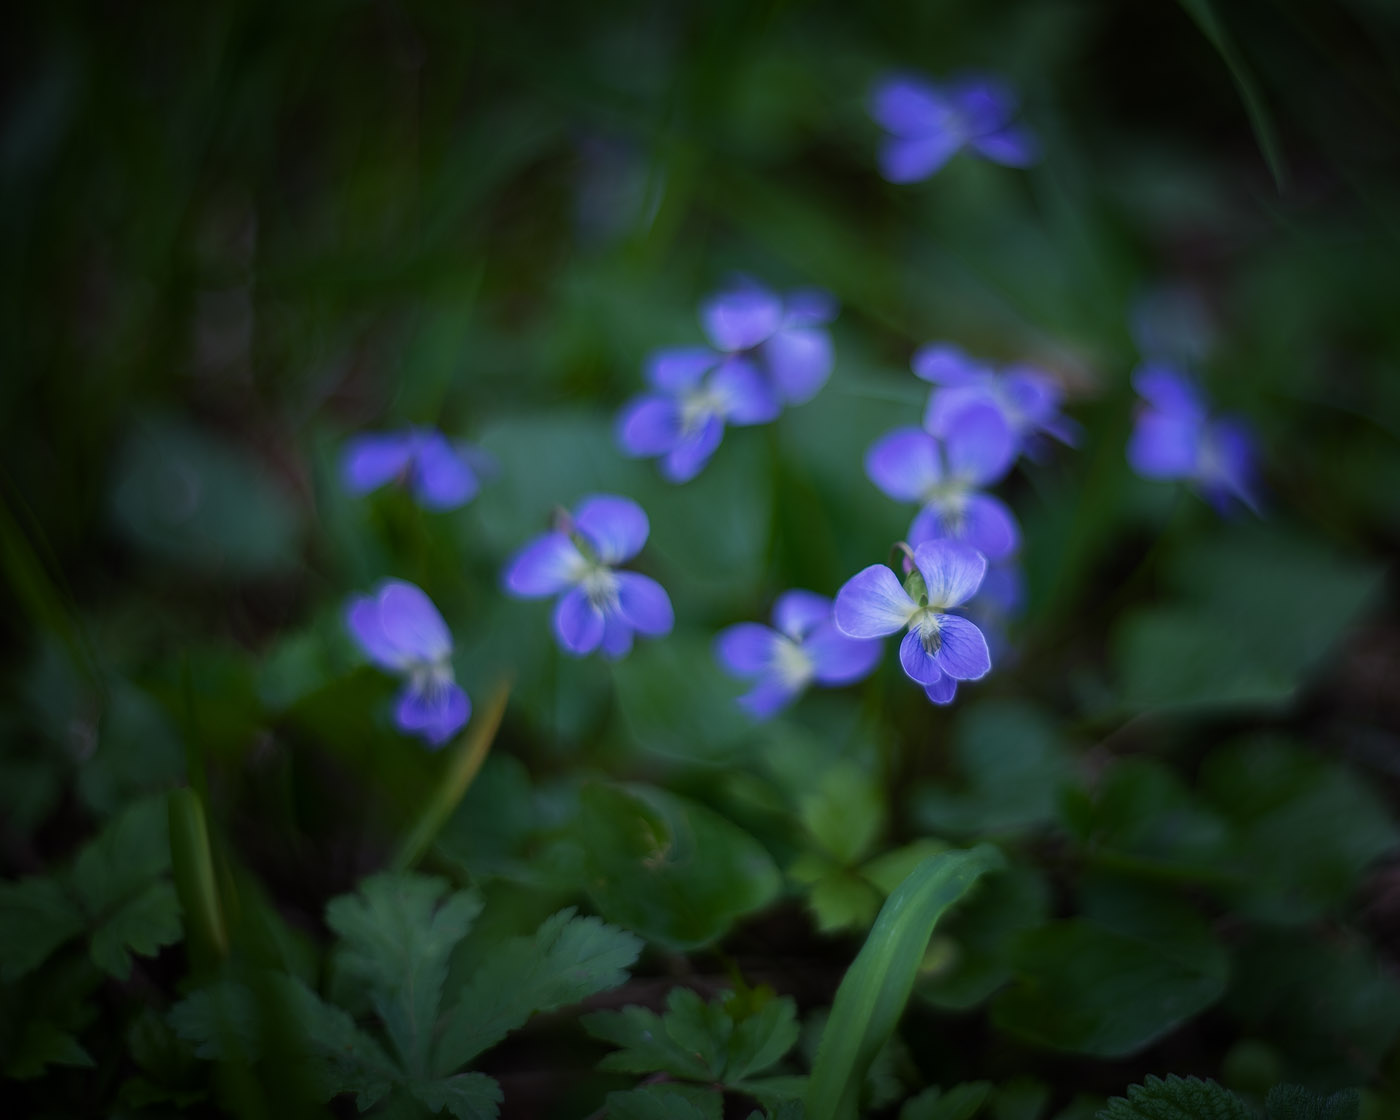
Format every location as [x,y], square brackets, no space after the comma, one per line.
[1028,399]
[1175,438]
[597,606]
[929,123]
[697,392]
[801,647]
[440,475]
[946,477]
[400,630]
[784,335]
[940,648]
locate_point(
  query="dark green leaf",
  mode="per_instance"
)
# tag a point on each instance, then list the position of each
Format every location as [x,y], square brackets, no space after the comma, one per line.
[1293,1102]
[42,1045]
[467,1096]
[36,916]
[1177,1098]
[566,961]
[398,931]
[143,924]
[666,1102]
[961,1102]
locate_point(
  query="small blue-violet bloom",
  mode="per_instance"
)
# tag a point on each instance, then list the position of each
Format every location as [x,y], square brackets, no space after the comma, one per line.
[946,476]
[440,475]
[1028,399]
[784,335]
[1175,438]
[400,630]
[802,647]
[930,123]
[697,392]
[597,606]
[940,648]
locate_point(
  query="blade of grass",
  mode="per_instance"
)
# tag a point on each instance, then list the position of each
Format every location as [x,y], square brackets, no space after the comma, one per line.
[461,772]
[192,864]
[876,987]
[1203,14]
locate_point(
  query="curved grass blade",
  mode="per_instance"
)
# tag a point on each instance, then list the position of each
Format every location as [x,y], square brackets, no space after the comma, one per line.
[192,865]
[877,985]
[461,772]
[1202,12]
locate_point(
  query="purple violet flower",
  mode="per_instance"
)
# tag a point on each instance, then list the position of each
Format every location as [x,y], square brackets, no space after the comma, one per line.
[784,335]
[946,477]
[1028,399]
[929,123]
[400,630]
[698,391]
[1175,438]
[440,475]
[940,648]
[597,606]
[801,647]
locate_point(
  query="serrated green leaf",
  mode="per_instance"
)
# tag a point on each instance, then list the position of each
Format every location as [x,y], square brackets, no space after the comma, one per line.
[131,850]
[339,1057]
[567,960]
[1293,1102]
[646,1045]
[36,916]
[42,1045]
[1177,1098]
[961,1102]
[398,931]
[143,924]
[666,1102]
[876,987]
[220,1021]
[761,1040]
[467,1096]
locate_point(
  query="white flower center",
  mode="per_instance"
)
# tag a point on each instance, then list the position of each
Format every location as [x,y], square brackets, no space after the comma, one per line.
[925,624]
[429,678]
[698,406]
[600,584]
[791,662]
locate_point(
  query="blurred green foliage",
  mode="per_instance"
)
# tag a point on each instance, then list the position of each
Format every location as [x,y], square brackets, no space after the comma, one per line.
[236,233]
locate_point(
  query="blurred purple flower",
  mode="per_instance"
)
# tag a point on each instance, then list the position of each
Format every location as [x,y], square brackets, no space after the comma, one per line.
[597,606]
[946,477]
[929,123]
[1175,438]
[802,646]
[999,600]
[784,335]
[1028,399]
[698,391]
[441,475]
[940,648]
[400,630]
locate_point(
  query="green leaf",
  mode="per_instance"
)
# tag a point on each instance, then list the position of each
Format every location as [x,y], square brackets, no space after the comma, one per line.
[220,1021]
[646,1039]
[143,924]
[674,871]
[398,931]
[567,960]
[337,1055]
[845,814]
[1014,766]
[1305,828]
[1089,988]
[876,987]
[1293,1102]
[195,500]
[42,1045]
[761,1040]
[666,1102]
[1236,636]
[961,1102]
[982,935]
[131,850]
[1177,1098]
[468,1096]
[36,916]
